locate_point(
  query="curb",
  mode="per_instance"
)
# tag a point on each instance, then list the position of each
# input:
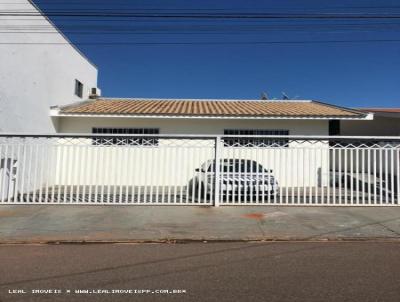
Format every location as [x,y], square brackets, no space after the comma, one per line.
[187,241]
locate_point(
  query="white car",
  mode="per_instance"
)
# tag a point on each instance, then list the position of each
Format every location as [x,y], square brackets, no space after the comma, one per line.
[238,177]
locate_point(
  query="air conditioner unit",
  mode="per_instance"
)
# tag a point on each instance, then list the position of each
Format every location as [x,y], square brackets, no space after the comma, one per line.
[94,93]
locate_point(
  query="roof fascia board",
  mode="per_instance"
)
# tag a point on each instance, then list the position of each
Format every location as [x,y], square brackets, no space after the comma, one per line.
[56,113]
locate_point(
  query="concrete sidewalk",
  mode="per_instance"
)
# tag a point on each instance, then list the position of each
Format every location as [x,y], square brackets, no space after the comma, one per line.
[27,223]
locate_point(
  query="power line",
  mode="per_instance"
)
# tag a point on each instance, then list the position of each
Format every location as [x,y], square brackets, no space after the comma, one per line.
[204,15]
[207,43]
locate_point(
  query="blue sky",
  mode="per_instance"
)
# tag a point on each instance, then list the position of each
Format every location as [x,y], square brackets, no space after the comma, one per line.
[349,74]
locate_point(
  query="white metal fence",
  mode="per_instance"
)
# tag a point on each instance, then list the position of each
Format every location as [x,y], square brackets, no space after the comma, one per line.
[199,170]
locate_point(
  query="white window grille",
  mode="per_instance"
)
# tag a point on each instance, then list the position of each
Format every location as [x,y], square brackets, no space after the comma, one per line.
[140,141]
[261,142]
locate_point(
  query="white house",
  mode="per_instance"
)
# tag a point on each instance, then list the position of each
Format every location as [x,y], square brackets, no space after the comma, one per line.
[180,116]
[39,68]
[197,117]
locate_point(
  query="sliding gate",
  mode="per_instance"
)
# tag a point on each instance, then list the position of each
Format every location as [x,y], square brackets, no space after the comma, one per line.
[199,170]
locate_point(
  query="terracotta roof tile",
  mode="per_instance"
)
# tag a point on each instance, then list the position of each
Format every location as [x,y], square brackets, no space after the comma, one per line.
[252,108]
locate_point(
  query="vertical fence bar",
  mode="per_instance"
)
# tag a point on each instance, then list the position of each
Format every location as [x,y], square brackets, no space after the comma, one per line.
[114,167]
[129,178]
[386,173]
[381,174]
[2,168]
[71,159]
[102,172]
[217,158]
[86,175]
[328,173]
[345,177]
[107,169]
[168,155]
[398,173]
[386,160]
[264,185]
[79,171]
[44,162]
[363,175]
[94,177]
[340,175]
[187,169]
[293,173]
[243,165]
[298,173]
[175,185]
[138,172]
[369,191]
[375,178]
[49,170]
[36,173]
[238,197]
[351,201]
[61,167]
[357,150]
[133,167]
[125,165]
[251,175]
[20,175]
[392,188]
[159,189]
[256,177]
[152,172]
[303,175]
[321,162]
[4,185]
[181,169]
[119,152]
[272,185]
[10,184]
[163,173]
[193,184]
[310,165]
[284,172]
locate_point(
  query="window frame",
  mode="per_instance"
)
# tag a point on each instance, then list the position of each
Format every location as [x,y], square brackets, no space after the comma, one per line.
[125,141]
[78,88]
[261,142]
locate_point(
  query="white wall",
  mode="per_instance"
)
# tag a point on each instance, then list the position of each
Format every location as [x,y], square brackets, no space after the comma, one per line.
[35,77]
[193,126]
[173,162]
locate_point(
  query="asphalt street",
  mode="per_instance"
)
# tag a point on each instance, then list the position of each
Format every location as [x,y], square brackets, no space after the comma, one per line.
[275,271]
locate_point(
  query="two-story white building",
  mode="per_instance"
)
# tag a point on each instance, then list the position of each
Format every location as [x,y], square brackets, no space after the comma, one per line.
[39,67]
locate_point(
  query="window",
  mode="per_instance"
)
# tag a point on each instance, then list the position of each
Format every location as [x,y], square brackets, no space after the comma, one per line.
[78,88]
[263,142]
[134,141]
